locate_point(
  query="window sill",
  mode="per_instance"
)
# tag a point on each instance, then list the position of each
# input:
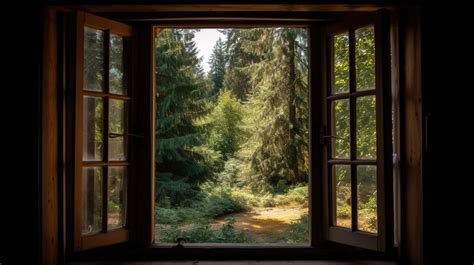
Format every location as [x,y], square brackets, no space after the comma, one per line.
[247,262]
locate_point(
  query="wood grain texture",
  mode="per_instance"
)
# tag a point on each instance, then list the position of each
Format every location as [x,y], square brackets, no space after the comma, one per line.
[49,142]
[230,8]
[411,138]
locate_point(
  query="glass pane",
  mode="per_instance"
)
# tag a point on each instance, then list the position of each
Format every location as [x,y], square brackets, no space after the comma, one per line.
[367,198]
[366,134]
[342,180]
[341,63]
[117,80]
[365,58]
[341,127]
[117,129]
[93,129]
[93,59]
[91,200]
[116,202]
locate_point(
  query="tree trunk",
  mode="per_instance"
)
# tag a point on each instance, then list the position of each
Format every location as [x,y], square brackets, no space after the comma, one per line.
[293,154]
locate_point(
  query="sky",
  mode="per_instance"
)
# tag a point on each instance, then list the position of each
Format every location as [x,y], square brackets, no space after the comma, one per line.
[205,40]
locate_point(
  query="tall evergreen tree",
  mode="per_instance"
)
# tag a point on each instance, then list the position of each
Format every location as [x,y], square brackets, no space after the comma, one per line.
[218,67]
[181,99]
[237,79]
[277,106]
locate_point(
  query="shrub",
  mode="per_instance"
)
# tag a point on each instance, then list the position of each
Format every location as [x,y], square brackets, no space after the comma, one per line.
[298,232]
[204,233]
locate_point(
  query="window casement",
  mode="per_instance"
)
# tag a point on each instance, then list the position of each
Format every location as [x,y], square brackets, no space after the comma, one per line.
[103,163]
[356,133]
[113,134]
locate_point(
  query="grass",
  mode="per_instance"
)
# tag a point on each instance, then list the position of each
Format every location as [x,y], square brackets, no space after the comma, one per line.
[257,215]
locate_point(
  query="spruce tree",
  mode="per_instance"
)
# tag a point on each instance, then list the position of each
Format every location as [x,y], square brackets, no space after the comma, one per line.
[180,99]
[218,67]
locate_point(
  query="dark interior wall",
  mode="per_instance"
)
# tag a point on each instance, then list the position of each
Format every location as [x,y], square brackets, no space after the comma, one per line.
[447,80]
[20,130]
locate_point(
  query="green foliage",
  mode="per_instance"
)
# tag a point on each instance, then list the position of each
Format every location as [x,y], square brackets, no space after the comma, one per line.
[224,125]
[204,233]
[276,108]
[181,99]
[218,67]
[298,232]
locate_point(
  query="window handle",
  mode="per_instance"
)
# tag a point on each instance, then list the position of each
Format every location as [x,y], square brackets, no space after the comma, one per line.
[116,135]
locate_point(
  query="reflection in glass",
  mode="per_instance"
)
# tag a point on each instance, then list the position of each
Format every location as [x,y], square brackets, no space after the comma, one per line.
[366,132]
[93,59]
[116,202]
[117,129]
[367,198]
[117,80]
[93,128]
[342,182]
[341,127]
[91,200]
[341,63]
[365,58]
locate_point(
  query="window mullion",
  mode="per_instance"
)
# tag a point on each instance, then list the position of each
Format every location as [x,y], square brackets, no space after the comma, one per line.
[106,132]
[352,130]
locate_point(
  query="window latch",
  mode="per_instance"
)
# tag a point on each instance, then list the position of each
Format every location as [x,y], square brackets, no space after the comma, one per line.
[179,240]
[323,136]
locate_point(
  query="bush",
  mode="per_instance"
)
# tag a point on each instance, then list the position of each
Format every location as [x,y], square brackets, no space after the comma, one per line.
[204,233]
[297,195]
[298,232]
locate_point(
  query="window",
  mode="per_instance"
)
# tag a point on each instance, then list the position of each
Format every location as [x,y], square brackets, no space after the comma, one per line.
[358,138]
[232,152]
[350,135]
[102,162]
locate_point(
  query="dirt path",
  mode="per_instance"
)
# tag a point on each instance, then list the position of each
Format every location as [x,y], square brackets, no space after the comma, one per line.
[264,224]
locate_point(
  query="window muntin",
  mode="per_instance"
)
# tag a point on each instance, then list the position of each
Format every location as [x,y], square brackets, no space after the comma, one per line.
[353,131]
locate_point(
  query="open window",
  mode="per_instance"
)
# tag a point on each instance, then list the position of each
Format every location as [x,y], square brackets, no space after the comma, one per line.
[102,164]
[357,133]
[350,195]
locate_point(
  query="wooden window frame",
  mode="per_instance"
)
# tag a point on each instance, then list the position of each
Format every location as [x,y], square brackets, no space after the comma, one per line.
[383,240]
[317,249]
[104,237]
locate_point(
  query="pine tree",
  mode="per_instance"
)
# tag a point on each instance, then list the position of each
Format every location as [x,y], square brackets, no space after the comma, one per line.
[181,99]
[237,79]
[277,107]
[218,67]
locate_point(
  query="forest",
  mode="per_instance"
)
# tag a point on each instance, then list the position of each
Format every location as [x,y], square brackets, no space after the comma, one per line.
[232,145]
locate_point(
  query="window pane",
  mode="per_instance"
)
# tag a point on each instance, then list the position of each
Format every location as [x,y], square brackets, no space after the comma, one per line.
[366,134]
[342,180]
[117,80]
[116,203]
[117,129]
[341,63]
[341,127]
[91,200]
[93,59]
[367,198]
[365,58]
[93,129]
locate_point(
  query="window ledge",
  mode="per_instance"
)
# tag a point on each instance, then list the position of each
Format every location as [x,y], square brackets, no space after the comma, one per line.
[249,262]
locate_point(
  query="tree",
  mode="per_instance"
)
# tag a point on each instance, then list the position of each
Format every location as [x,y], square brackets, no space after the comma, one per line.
[225,121]
[218,67]
[277,106]
[237,79]
[181,99]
